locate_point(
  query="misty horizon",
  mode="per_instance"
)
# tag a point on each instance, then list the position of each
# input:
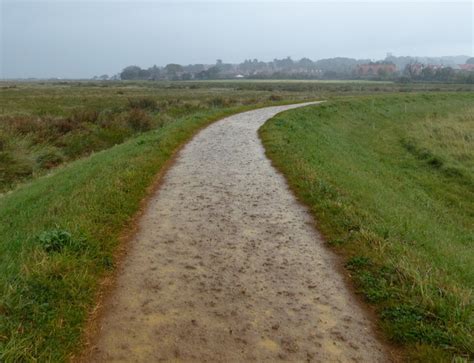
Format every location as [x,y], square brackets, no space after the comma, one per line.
[82,39]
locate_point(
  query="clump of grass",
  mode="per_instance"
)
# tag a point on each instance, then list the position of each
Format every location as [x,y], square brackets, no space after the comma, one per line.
[275,97]
[143,103]
[49,158]
[13,167]
[220,102]
[391,186]
[139,120]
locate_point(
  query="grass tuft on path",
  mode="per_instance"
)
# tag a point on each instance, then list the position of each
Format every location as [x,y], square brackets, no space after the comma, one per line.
[390,181]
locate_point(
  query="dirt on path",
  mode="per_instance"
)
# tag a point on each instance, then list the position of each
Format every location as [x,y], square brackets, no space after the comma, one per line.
[227,266]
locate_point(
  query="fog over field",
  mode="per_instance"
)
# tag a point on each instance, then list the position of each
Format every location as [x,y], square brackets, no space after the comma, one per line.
[79,39]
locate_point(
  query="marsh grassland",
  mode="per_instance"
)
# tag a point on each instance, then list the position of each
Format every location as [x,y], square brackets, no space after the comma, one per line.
[388,177]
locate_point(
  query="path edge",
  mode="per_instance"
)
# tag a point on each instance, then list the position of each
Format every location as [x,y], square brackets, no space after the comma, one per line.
[393,352]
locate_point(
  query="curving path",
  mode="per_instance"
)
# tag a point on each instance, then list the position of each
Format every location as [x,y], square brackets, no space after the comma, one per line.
[227,266]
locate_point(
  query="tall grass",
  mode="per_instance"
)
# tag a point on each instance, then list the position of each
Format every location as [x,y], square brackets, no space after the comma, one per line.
[44,125]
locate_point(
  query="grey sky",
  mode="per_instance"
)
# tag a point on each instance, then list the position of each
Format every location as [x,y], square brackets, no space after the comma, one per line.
[74,39]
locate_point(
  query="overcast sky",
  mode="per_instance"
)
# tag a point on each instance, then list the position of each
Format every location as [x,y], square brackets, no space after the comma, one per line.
[79,39]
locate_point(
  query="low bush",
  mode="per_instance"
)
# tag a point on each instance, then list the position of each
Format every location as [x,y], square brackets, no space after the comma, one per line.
[143,103]
[220,102]
[275,97]
[57,240]
[49,158]
[139,120]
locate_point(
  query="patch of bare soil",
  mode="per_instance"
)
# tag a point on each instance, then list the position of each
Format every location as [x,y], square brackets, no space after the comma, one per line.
[227,266]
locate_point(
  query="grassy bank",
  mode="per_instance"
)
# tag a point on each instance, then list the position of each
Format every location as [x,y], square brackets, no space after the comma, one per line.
[390,180]
[58,234]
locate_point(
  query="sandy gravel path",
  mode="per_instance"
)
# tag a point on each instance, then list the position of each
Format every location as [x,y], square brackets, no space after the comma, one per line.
[227,266]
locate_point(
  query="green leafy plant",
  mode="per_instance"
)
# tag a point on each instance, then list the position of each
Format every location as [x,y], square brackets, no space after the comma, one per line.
[57,240]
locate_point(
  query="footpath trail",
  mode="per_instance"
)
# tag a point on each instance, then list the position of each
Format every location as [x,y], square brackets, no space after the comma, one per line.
[227,266]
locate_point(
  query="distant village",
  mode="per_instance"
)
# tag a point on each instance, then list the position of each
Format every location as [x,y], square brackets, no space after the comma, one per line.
[405,69]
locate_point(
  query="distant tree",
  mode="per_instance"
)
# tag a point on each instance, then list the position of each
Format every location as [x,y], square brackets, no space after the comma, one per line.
[470,61]
[427,73]
[338,67]
[194,68]
[212,72]
[306,63]
[130,72]
[445,74]
[154,73]
[286,63]
[144,74]
[410,70]
[382,73]
[172,70]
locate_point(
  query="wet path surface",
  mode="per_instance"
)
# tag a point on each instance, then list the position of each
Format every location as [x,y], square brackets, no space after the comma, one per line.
[227,266]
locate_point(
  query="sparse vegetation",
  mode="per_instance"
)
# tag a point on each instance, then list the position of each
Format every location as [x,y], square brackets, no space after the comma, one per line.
[390,181]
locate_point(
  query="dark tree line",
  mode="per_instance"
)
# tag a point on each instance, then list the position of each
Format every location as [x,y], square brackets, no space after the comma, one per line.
[404,69]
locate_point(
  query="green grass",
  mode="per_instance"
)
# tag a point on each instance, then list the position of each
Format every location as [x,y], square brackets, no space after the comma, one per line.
[76,159]
[390,180]
[58,235]
[43,125]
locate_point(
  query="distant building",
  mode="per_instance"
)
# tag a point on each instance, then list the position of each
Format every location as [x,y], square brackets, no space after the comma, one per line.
[376,69]
[415,69]
[467,67]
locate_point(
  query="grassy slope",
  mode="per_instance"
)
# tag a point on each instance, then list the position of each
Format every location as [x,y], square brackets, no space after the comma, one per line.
[45,296]
[390,181]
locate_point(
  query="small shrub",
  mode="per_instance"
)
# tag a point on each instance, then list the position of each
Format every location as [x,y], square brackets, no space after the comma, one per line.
[77,144]
[84,116]
[13,168]
[56,240]
[113,135]
[49,159]
[413,324]
[144,103]
[220,102]
[22,124]
[139,120]
[358,262]
[374,286]
[275,97]
[59,126]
